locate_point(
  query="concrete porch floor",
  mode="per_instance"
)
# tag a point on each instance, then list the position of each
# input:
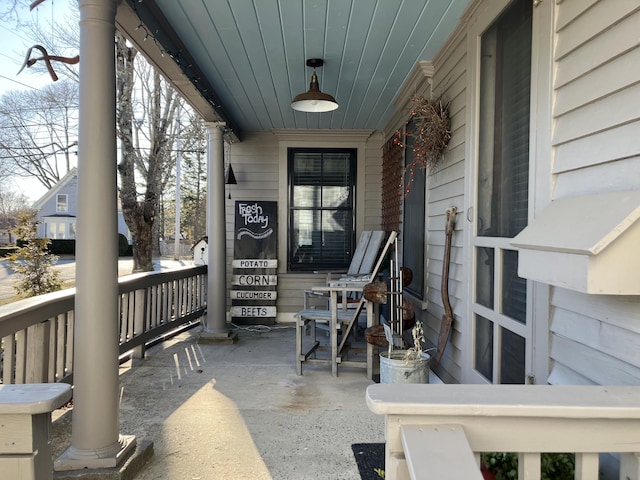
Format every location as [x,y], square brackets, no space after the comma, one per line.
[239,411]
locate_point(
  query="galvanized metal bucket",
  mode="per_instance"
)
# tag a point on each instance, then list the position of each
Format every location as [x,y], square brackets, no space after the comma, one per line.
[395,369]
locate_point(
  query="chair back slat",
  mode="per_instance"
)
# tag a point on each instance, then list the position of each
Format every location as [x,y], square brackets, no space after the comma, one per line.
[359,254]
[371,254]
[368,257]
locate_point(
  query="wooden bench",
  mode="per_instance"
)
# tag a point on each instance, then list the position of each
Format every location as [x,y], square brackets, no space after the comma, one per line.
[439,431]
[25,428]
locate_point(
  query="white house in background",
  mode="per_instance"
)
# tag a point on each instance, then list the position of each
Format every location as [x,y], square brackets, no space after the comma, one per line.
[58,207]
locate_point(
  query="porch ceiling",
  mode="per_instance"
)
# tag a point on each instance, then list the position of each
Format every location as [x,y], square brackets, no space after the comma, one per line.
[247,57]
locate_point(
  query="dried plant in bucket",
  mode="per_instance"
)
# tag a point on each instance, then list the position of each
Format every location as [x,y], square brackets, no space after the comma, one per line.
[415,352]
[428,137]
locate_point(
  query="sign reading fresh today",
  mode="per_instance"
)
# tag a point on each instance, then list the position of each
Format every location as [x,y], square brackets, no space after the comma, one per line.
[255,263]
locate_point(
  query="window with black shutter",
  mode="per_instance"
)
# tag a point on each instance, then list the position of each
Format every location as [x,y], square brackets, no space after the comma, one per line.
[321,208]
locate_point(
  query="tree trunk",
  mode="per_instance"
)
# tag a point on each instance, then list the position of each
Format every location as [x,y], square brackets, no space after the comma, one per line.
[139,216]
[142,234]
[156,103]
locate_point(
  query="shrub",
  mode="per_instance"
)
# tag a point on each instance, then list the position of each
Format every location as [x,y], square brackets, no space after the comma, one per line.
[62,247]
[7,251]
[32,263]
[554,466]
[123,245]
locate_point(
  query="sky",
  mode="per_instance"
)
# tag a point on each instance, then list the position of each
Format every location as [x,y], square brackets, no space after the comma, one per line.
[15,45]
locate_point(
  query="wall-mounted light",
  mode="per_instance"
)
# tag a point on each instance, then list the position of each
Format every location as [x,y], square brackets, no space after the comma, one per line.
[314,100]
[230,178]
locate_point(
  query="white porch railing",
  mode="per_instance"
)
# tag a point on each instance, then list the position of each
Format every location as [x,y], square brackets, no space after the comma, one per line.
[439,431]
[37,333]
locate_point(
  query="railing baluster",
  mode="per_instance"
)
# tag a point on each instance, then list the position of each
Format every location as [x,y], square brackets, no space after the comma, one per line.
[587,466]
[529,466]
[181,308]
[630,466]
[140,301]
[8,359]
[37,352]
[50,367]
[154,306]
[132,314]
[21,357]
[61,343]
[122,314]
[68,363]
[168,299]
[161,292]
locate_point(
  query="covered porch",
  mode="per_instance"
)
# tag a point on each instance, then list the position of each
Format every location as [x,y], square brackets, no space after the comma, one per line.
[240,410]
[256,123]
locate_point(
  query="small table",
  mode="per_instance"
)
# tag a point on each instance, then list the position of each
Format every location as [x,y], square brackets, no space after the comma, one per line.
[336,316]
[25,428]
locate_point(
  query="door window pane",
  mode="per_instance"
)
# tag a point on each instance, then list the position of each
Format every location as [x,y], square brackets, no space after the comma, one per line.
[484,276]
[484,347]
[512,359]
[514,288]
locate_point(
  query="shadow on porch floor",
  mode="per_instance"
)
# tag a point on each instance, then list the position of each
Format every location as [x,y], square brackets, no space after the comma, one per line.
[240,411]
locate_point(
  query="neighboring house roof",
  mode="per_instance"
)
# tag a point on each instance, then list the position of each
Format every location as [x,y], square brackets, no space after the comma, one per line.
[38,204]
[59,215]
[71,174]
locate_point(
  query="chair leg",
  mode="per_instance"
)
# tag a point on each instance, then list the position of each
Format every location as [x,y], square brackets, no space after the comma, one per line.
[334,349]
[299,326]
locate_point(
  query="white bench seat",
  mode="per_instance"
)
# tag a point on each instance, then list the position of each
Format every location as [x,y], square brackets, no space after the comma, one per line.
[432,450]
[25,428]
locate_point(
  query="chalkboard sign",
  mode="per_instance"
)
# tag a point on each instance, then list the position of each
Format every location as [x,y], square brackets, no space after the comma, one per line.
[255,263]
[255,233]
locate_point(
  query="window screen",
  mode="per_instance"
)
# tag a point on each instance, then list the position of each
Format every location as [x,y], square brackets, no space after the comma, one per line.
[321,208]
[504,142]
[413,222]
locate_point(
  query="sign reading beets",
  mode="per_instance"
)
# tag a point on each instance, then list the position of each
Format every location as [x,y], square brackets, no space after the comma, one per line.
[255,263]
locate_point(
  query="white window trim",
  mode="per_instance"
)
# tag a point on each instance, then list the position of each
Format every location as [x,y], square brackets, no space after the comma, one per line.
[318,139]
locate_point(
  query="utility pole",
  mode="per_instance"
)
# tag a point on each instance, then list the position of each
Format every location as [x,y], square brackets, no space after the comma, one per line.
[176,244]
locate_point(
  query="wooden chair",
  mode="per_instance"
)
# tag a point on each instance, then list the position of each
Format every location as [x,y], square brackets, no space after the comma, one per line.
[338,315]
[363,264]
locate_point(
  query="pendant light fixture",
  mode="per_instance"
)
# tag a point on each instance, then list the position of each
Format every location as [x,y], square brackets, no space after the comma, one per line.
[314,100]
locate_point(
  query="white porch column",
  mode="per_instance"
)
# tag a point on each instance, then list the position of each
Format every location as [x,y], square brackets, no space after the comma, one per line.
[96,442]
[215,321]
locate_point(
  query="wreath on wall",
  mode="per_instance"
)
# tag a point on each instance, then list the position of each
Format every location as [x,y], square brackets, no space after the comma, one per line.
[428,139]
